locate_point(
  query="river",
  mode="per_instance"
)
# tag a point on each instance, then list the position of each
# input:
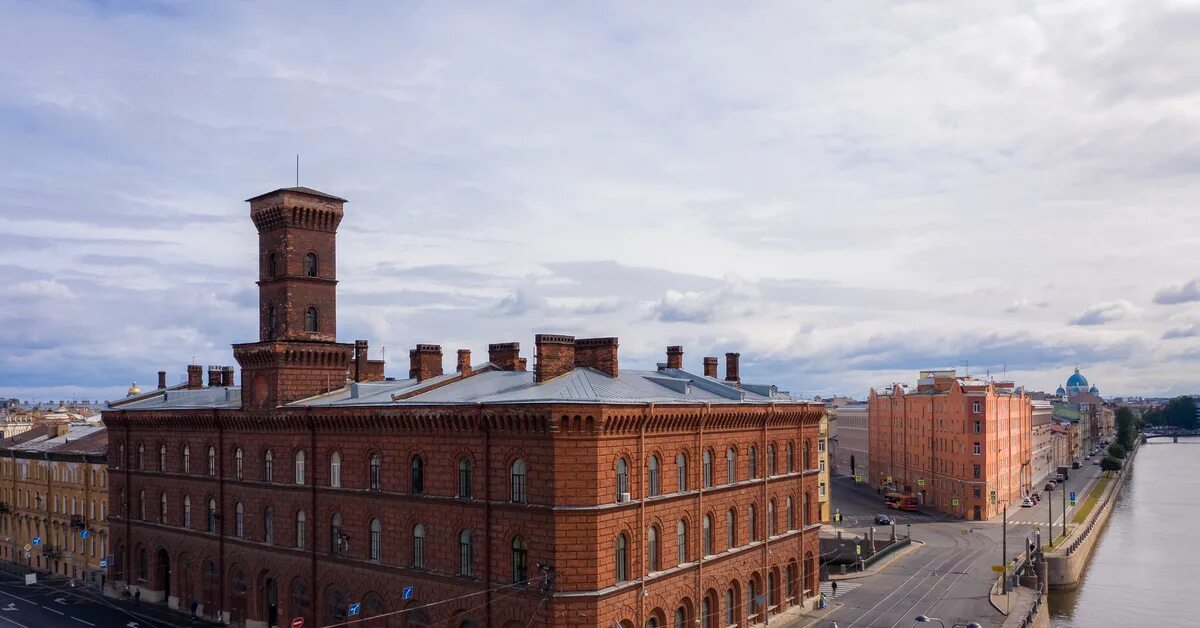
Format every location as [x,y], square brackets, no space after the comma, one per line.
[1145,570]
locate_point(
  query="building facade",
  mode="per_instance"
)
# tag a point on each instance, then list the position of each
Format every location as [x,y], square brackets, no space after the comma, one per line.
[1043,454]
[854,451]
[823,468]
[54,500]
[962,446]
[492,495]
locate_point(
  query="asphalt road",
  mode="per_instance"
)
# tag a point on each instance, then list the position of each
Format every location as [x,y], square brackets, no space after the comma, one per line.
[53,604]
[950,575]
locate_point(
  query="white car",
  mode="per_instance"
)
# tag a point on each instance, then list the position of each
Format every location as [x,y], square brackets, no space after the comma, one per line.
[1027,503]
[1096,461]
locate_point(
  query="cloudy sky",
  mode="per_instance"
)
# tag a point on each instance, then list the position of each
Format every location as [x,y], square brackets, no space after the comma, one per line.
[844,195]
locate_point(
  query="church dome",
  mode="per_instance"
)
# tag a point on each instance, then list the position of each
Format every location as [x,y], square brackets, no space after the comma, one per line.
[1094,390]
[1061,391]
[134,390]
[1077,380]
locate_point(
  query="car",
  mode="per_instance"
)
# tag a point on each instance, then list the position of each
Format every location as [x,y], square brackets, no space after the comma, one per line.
[1026,503]
[884,520]
[1051,485]
[1036,497]
[1076,465]
[1096,461]
[1058,477]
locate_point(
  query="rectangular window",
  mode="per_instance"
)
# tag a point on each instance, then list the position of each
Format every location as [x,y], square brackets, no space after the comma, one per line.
[821,444]
[977,449]
[978,427]
[821,490]
[978,471]
[976,406]
[977,491]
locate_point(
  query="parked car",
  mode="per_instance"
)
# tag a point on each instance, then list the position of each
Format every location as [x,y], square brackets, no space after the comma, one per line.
[1037,497]
[1076,465]
[1058,477]
[884,520]
[1096,461]
[1026,503]
[1051,485]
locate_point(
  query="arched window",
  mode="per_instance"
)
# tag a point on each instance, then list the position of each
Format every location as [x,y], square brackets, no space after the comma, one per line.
[652,623]
[708,469]
[301,532]
[681,471]
[730,465]
[464,478]
[376,467]
[771,518]
[807,516]
[162,507]
[466,554]
[807,454]
[310,320]
[140,461]
[212,460]
[706,611]
[141,504]
[187,511]
[186,464]
[680,618]
[272,266]
[335,470]
[417,476]
[731,528]
[300,467]
[652,549]
[751,602]
[652,473]
[771,468]
[310,265]
[268,466]
[120,457]
[790,458]
[239,520]
[708,535]
[272,323]
[622,558]
[237,463]
[337,540]
[418,548]
[162,457]
[753,462]
[212,515]
[681,542]
[790,514]
[517,481]
[376,540]
[520,560]
[269,526]
[730,615]
[752,521]
[772,589]
[622,480]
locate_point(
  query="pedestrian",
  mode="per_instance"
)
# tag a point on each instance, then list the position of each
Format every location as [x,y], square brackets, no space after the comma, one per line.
[193,606]
[833,587]
[137,597]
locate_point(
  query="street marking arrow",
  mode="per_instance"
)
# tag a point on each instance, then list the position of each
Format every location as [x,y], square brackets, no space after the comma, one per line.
[132,624]
[10,607]
[60,600]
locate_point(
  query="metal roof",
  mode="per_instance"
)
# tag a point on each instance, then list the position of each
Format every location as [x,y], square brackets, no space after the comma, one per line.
[300,190]
[183,398]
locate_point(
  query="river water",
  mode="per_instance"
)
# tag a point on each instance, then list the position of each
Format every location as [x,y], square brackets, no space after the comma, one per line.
[1145,570]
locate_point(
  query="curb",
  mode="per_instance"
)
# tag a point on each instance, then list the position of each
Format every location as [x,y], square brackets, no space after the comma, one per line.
[819,618]
[912,546]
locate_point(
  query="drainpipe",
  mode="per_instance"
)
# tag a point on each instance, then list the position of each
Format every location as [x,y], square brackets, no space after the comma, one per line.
[312,550]
[698,521]
[762,446]
[646,414]
[220,500]
[125,506]
[487,512]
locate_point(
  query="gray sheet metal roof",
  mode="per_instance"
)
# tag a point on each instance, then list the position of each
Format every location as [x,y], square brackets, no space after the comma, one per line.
[44,443]
[173,399]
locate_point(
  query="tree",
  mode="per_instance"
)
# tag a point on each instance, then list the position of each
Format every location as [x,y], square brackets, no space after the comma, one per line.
[1110,464]
[1125,427]
[1179,412]
[1116,451]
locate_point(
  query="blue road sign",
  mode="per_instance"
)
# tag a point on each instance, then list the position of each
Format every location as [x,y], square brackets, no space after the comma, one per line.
[104,564]
[83,534]
[408,593]
[37,540]
[354,609]
[1072,496]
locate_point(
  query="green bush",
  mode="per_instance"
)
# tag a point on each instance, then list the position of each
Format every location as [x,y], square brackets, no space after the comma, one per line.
[1110,464]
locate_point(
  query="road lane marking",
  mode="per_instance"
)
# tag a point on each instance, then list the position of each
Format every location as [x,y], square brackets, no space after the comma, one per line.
[52,610]
[3,618]
[83,621]
[18,597]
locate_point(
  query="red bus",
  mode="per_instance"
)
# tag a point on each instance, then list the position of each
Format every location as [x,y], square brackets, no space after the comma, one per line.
[900,501]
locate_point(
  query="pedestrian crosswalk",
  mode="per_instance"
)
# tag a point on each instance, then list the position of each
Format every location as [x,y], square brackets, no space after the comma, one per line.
[844,587]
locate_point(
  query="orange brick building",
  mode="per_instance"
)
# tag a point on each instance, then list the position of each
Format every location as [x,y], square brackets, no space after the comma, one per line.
[577,493]
[961,445]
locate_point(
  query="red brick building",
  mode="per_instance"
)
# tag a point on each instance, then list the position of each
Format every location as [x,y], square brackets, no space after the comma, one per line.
[577,493]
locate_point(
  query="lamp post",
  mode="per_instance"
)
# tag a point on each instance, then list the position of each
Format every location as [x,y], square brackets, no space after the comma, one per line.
[921,619]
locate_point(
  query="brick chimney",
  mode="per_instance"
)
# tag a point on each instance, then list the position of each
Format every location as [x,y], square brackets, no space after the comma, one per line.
[555,356]
[505,355]
[227,376]
[710,367]
[214,376]
[731,367]
[597,353]
[522,364]
[360,360]
[464,362]
[674,357]
[162,380]
[195,377]
[425,362]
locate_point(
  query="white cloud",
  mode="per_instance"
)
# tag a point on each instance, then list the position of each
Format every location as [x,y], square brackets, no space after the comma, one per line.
[1103,313]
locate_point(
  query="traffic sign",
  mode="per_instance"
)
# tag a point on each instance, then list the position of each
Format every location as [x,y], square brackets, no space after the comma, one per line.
[954,502]
[84,533]
[298,622]
[858,479]
[920,481]
[104,564]
[999,568]
[1072,497]
[28,547]
[992,496]
[354,609]
[858,549]
[407,593]
[37,540]
[889,479]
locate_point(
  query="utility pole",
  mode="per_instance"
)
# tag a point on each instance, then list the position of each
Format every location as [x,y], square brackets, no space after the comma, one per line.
[1064,494]
[1004,547]
[1050,507]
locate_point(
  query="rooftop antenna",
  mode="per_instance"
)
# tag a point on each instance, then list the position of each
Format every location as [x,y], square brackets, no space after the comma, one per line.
[297,169]
[967,368]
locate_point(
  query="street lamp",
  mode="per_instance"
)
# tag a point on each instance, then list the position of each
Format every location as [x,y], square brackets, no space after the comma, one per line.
[921,619]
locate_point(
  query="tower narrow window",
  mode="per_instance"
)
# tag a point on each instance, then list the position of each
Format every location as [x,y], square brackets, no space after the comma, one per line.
[271,265]
[310,320]
[310,265]
[272,323]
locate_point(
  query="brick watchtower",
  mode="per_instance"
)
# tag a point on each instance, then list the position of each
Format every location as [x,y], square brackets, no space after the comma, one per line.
[297,355]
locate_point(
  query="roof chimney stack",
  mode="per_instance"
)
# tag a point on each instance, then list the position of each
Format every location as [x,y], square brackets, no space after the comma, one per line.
[425,362]
[162,380]
[731,368]
[214,376]
[464,362]
[227,376]
[710,367]
[522,364]
[506,356]
[195,376]
[555,356]
[597,353]
[675,357]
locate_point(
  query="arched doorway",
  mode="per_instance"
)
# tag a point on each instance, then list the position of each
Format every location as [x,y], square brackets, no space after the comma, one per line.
[237,602]
[162,563]
[209,576]
[271,601]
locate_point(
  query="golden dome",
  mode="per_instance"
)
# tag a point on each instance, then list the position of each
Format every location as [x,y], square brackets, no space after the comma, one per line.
[134,390]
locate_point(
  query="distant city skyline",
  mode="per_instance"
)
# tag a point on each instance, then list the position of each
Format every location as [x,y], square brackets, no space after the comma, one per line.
[844,195]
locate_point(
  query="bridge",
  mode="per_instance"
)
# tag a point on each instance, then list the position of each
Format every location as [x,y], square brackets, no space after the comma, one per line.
[1171,433]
